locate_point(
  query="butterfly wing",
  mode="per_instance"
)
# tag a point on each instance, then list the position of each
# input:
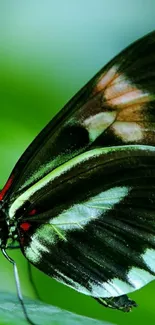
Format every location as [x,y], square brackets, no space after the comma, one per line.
[96,234]
[91,223]
[115,108]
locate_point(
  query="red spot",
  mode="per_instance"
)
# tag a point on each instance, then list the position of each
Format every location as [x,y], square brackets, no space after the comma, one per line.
[32,212]
[25,226]
[6,187]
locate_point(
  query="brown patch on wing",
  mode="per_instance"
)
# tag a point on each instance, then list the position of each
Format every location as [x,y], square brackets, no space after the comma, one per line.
[132,113]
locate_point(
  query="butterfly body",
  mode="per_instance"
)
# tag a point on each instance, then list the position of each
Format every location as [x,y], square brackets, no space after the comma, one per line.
[80,201]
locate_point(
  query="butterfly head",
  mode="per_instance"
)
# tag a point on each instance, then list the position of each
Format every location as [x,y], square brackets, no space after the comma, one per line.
[3,226]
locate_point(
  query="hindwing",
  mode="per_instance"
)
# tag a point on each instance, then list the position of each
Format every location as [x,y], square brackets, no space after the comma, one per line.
[93,226]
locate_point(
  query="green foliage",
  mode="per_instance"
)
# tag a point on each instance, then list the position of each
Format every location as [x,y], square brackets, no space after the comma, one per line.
[41,314]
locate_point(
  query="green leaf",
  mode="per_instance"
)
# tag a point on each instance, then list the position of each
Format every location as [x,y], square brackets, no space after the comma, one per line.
[40,313]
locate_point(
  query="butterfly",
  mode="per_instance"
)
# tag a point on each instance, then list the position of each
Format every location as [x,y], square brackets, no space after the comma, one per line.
[80,202]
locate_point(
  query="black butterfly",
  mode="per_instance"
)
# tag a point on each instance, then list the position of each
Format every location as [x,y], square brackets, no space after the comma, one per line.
[81,200]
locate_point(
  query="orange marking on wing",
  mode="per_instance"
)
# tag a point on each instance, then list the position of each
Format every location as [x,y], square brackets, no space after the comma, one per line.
[118,89]
[132,113]
[130,98]
[106,78]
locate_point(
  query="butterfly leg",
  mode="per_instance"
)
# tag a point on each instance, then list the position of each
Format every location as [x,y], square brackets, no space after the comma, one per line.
[17,285]
[122,303]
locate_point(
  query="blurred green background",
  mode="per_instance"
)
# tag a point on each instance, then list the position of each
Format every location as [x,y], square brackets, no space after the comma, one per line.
[48,51]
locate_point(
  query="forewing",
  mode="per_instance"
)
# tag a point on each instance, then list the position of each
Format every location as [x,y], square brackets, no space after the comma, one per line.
[115,108]
[91,223]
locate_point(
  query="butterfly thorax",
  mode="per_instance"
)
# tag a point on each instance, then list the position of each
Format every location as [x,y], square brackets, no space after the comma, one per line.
[4,231]
[8,230]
